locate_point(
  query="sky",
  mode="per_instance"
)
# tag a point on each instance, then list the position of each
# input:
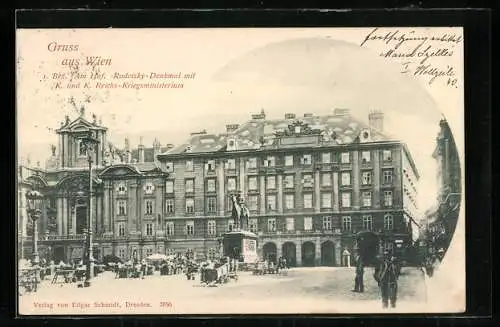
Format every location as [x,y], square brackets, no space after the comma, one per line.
[237,73]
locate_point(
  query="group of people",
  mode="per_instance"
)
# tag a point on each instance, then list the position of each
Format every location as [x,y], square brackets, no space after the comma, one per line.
[386,274]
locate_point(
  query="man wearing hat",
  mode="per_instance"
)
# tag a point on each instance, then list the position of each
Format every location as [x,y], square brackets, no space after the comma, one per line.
[386,274]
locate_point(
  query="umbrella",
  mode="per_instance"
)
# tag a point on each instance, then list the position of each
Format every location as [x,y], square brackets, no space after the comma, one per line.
[157,256]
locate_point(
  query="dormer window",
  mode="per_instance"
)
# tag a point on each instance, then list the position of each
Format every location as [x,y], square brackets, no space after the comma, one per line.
[169,167]
[210,165]
[306,159]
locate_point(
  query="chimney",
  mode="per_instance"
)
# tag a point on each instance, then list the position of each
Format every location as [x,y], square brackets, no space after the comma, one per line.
[289,116]
[128,154]
[170,146]
[232,127]
[308,115]
[341,112]
[140,150]
[376,119]
[156,150]
[262,115]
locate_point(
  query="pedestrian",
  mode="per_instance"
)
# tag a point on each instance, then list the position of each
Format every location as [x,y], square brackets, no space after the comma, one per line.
[386,274]
[359,285]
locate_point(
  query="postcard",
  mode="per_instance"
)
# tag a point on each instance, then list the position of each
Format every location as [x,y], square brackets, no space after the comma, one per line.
[240,171]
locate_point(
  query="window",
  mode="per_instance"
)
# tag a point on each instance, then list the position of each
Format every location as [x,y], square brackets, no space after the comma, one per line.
[212,253]
[388,198]
[387,155]
[327,223]
[290,224]
[271,182]
[346,178]
[212,204]
[149,251]
[230,225]
[326,179]
[190,228]
[367,199]
[326,157]
[121,229]
[346,200]
[252,163]
[170,251]
[365,156]
[308,223]
[326,200]
[189,185]
[231,184]
[149,188]
[388,246]
[252,183]
[270,161]
[210,166]
[306,159]
[122,253]
[289,201]
[346,223]
[231,164]
[252,203]
[210,185]
[252,222]
[169,167]
[387,176]
[345,158]
[289,160]
[211,227]
[170,227]
[367,222]
[149,229]
[190,205]
[169,186]
[189,165]
[289,181]
[169,205]
[367,178]
[271,202]
[308,201]
[122,189]
[122,207]
[388,222]
[82,149]
[149,207]
[307,180]
[271,225]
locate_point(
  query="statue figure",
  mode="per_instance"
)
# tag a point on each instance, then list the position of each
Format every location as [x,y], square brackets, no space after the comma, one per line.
[53,149]
[240,212]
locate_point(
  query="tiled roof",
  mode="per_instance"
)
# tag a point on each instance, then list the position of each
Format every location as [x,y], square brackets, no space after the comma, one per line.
[144,166]
[336,129]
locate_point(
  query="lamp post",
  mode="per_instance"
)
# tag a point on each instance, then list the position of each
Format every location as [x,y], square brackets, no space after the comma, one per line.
[90,143]
[34,201]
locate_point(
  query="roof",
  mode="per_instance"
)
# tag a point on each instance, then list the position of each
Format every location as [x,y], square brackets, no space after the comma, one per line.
[335,129]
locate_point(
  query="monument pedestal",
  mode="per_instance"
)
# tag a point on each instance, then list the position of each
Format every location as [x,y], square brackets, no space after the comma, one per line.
[240,245]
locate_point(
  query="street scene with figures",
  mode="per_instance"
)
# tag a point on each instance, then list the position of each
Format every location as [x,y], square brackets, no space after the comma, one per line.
[110,236]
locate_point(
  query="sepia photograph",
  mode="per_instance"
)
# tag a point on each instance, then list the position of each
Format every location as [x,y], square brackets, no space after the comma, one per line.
[240,171]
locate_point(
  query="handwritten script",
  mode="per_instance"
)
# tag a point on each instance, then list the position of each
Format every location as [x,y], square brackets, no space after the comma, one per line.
[419,53]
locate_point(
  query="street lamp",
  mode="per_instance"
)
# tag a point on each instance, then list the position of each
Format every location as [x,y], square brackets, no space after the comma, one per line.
[90,144]
[34,201]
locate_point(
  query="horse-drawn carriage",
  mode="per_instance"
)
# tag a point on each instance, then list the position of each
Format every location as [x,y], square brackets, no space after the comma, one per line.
[218,274]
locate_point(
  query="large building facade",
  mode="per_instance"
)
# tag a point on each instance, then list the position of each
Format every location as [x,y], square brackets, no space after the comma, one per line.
[311,185]
[441,220]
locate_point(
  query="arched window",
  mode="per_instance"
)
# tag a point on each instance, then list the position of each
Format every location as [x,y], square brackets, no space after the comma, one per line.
[388,222]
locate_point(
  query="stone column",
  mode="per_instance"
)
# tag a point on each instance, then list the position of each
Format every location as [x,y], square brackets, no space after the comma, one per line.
[65,216]
[355,180]
[317,256]
[60,216]
[262,187]
[376,179]
[338,254]
[280,205]
[221,195]
[107,208]
[279,248]
[335,191]
[73,219]
[134,208]
[317,194]
[298,254]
